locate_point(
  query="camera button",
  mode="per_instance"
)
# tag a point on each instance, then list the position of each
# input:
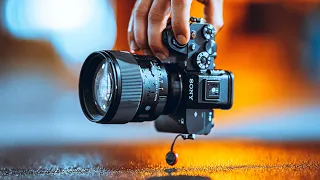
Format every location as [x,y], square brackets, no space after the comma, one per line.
[193,34]
[211,47]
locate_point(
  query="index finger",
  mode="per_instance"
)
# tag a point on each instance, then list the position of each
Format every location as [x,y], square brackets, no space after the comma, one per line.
[180,20]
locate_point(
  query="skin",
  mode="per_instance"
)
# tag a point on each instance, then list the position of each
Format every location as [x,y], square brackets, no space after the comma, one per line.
[149,19]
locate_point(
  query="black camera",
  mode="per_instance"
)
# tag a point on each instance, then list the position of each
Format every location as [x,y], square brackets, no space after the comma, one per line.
[180,93]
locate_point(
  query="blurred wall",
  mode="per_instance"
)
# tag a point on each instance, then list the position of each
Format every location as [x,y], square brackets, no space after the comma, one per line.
[271,47]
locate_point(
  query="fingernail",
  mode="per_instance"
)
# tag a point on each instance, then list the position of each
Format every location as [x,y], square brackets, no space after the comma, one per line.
[161,56]
[181,39]
[133,46]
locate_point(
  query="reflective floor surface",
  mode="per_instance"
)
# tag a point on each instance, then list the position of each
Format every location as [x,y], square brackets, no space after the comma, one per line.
[198,159]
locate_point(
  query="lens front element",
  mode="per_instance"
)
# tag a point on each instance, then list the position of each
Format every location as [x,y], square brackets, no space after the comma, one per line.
[102,88]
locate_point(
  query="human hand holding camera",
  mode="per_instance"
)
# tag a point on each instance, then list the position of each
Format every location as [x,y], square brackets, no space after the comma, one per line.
[149,18]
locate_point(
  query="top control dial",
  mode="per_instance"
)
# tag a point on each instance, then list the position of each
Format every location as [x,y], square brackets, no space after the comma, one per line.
[208,31]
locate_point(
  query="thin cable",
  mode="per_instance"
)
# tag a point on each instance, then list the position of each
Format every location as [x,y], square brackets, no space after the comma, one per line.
[183,137]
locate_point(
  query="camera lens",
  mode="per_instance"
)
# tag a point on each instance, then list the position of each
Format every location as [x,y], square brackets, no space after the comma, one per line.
[102,87]
[117,87]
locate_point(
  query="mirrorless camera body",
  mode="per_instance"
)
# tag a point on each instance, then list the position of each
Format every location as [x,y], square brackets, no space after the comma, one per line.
[204,88]
[179,93]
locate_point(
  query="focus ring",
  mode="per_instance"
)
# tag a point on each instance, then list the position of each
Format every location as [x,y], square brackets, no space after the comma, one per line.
[131,87]
[131,83]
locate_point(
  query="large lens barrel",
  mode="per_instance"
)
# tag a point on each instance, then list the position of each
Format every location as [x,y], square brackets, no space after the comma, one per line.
[117,87]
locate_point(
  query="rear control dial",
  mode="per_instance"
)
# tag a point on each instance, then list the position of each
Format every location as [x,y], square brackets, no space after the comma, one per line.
[203,61]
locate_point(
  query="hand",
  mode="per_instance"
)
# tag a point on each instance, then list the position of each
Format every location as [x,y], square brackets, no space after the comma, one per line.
[149,19]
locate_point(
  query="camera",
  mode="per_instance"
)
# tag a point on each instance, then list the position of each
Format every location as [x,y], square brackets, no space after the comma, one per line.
[178,94]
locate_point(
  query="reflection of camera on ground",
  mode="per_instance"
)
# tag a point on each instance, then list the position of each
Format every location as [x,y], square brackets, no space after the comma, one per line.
[178,177]
[181,177]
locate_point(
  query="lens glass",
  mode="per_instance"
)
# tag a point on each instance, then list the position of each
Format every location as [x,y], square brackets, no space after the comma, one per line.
[102,87]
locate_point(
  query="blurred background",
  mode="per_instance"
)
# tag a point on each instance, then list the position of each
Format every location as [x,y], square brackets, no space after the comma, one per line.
[272,47]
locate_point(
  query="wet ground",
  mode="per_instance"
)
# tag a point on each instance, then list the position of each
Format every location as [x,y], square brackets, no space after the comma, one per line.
[199,159]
